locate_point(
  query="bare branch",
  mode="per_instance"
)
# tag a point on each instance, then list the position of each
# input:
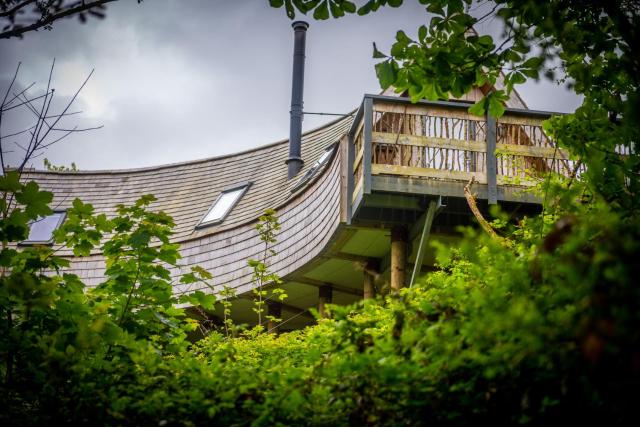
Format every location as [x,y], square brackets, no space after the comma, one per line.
[46,129]
[471,201]
[13,80]
[46,19]
[15,9]
[21,96]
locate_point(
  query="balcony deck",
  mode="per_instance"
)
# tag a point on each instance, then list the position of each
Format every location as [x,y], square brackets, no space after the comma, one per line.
[436,148]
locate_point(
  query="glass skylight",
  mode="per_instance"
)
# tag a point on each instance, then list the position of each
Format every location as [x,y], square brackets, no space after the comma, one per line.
[41,230]
[223,204]
[304,180]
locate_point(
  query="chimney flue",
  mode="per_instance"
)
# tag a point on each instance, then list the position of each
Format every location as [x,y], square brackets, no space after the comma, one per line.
[295,162]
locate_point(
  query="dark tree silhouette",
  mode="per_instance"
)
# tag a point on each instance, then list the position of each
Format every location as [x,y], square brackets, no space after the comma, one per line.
[21,16]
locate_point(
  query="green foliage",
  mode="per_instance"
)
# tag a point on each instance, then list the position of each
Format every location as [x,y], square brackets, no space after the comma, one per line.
[542,331]
[590,45]
[267,227]
[53,168]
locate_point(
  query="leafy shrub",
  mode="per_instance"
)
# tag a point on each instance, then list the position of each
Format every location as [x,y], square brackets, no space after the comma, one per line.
[540,331]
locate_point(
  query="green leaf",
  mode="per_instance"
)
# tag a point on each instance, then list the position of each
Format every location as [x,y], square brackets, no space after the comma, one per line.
[479,108]
[376,53]
[402,37]
[496,107]
[336,10]
[486,42]
[386,73]
[321,12]
[348,6]
[10,182]
[422,32]
[35,201]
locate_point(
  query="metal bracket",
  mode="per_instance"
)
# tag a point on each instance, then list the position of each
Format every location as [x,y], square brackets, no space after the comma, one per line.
[434,207]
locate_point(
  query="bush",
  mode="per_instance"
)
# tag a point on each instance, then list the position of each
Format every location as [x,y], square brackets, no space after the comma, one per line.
[521,330]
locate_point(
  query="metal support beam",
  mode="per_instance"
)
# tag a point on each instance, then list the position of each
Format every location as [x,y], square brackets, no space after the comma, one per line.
[434,205]
[492,180]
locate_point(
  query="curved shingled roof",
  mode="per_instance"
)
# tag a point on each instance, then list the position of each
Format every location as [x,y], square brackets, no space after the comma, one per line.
[187,190]
[309,217]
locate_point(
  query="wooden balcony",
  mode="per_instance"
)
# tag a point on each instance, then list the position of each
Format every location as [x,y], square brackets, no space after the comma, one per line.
[435,148]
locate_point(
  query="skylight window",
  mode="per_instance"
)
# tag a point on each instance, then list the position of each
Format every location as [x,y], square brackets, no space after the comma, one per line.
[313,170]
[223,204]
[41,230]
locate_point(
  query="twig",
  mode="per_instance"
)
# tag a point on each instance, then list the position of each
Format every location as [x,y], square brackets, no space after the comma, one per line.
[471,201]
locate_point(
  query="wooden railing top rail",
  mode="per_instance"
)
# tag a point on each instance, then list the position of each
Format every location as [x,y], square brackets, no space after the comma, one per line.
[441,140]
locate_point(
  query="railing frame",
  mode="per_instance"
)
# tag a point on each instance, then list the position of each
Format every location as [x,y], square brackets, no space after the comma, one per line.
[365,112]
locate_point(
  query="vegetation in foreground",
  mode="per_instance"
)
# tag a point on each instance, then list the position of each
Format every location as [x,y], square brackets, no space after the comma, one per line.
[540,327]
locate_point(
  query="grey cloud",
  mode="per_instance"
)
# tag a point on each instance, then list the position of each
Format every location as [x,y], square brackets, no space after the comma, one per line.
[180,80]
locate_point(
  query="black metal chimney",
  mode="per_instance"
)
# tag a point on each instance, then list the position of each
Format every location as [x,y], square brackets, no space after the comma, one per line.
[295,161]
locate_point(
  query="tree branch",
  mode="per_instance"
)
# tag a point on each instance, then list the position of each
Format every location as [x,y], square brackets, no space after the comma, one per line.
[45,20]
[15,9]
[471,201]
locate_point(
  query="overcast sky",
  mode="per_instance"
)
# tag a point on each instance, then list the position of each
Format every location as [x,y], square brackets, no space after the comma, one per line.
[183,80]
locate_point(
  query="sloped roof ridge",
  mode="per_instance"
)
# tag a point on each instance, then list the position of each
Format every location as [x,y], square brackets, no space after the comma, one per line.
[187,162]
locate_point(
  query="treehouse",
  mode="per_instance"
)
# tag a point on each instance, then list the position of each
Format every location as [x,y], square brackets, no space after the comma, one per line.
[358,200]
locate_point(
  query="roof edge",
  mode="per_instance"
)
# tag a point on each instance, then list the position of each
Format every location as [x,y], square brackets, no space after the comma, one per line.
[184,163]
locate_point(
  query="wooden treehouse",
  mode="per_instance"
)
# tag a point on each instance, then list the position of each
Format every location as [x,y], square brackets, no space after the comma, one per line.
[358,202]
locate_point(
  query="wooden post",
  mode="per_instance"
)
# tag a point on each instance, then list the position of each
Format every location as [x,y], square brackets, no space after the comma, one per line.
[324,297]
[366,134]
[473,156]
[398,257]
[369,288]
[492,186]
[273,309]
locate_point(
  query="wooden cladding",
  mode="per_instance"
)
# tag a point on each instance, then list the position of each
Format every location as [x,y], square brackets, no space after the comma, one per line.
[445,142]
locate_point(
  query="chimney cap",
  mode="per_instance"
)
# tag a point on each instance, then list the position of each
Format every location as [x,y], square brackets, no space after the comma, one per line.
[300,25]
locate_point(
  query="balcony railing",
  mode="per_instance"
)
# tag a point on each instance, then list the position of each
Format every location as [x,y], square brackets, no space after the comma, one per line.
[441,141]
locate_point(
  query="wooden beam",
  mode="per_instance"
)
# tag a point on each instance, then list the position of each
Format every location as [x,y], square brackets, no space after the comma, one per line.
[368,285]
[398,257]
[393,201]
[425,110]
[519,120]
[358,159]
[286,307]
[378,169]
[350,257]
[532,151]
[428,141]
[344,237]
[350,183]
[319,283]
[324,298]
[357,190]
[368,128]
[491,166]
[404,185]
